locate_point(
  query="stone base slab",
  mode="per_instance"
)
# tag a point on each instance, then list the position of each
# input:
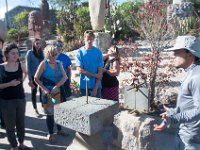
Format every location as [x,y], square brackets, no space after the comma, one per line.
[85,142]
[87,118]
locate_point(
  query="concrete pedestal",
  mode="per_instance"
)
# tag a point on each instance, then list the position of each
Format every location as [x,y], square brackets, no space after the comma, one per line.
[87,118]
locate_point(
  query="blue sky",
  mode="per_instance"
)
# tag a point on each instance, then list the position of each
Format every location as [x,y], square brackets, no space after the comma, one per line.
[14,3]
[30,3]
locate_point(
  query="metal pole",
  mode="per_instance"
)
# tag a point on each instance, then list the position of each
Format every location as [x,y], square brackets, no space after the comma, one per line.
[86,88]
[87,91]
[6,18]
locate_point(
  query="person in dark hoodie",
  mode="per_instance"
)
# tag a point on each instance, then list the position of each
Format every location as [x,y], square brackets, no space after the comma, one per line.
[33,59]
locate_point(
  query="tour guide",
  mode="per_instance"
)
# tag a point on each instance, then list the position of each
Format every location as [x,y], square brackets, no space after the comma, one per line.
[187,112]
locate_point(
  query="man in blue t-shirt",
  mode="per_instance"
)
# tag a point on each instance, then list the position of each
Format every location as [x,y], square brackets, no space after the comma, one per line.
[89,61]
[66,62]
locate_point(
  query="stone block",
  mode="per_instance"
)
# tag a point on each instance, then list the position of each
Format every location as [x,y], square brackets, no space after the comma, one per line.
[87,118]
[136,133]
[133,132]
[102,41]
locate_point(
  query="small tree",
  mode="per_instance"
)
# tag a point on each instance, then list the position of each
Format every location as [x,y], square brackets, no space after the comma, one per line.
[152,20]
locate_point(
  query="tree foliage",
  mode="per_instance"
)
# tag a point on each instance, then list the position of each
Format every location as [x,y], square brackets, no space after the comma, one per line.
[73,19]
[17,35]
[196,5]
[126,10]
[82,20]
[21,30]
[21,19]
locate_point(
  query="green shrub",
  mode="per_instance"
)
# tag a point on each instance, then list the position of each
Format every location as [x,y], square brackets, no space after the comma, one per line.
[17,34]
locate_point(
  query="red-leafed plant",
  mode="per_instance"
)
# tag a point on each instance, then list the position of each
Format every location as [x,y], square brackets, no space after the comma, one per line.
[148,70]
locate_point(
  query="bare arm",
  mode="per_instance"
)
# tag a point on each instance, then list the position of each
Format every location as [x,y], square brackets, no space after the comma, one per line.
[62,81]
[87,73]
[115,70]
[69,72]
[105,56]
[24,71]
[38,75]
[14,82]
[100,72]
[64,77]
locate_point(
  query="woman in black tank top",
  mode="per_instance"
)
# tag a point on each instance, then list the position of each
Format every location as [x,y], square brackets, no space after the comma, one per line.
[12,95]
[17,91]
[110,83]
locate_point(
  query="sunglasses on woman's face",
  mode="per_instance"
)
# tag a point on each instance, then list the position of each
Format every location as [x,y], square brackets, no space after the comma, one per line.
[59,45]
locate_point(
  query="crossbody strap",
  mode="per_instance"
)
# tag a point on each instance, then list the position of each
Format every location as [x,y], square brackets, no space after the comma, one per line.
[56,68]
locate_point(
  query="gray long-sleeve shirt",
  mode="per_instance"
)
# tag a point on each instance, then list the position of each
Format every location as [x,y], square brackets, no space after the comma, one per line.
[32,63]
[187,111]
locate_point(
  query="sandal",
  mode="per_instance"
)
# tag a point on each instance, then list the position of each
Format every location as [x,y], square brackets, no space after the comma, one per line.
[52,139]
[62,133]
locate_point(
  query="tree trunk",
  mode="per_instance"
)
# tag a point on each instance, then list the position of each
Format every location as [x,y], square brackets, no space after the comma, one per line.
[153,74]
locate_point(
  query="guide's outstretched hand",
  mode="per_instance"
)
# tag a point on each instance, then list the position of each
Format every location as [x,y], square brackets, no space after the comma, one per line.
[164,116]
